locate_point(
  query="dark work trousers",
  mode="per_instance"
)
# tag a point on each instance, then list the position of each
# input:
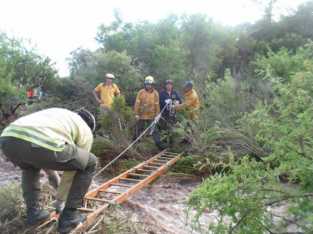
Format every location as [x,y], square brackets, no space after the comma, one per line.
[142,124]
[31,158]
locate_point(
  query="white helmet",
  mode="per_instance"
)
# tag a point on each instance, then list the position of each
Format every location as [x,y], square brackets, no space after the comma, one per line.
[109,76]
[149,80]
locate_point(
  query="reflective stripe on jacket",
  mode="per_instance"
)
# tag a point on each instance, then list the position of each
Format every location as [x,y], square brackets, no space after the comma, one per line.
[52,129]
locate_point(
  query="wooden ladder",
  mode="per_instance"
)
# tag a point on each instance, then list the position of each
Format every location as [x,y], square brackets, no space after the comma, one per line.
[120,188]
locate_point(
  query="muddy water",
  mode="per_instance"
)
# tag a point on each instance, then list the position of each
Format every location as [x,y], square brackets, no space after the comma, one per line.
[162,207]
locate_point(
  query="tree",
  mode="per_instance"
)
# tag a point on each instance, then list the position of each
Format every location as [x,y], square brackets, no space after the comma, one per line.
[20,68]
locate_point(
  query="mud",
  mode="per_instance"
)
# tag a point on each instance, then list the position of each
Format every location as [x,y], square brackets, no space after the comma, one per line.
[162,207]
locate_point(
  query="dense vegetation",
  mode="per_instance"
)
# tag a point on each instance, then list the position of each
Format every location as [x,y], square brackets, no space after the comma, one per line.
[254,136]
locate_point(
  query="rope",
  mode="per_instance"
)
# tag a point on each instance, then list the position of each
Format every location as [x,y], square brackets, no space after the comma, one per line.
[151,126]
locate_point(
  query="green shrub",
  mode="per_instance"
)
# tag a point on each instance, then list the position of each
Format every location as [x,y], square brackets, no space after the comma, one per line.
[101,146]
[246,193]
[11,209]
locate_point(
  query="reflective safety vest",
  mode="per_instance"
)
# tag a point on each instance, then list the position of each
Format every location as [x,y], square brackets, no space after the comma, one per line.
[52,129]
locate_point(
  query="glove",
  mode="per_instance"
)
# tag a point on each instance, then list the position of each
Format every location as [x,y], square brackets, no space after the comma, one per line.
[157,118]
[168,101]
[58,206]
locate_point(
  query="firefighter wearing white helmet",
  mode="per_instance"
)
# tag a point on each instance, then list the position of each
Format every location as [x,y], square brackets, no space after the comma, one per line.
[105,92]
[149,80]
[146,108]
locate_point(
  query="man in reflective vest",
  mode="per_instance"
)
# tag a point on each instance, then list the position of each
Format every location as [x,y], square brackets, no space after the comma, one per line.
[56,139]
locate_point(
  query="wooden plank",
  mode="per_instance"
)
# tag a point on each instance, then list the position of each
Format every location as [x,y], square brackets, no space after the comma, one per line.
[120,185]
[98,199]
[171,153]
[147,166]
[145,170]
[113,192]
[160,161]
[94,192]
[91,218]
[167,158]
[130,179]
[144,182]
[155,163]
[136,174]
[83,209]
[53,218]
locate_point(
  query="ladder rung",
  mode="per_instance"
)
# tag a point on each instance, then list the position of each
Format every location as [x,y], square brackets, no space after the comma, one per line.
[86,209]
[169,158]
[113,192]
[161,161]
[155,163]
[139,169]
[98,199]
[151,167]
[129,179]
[120,185]
[136,174]
[170,153]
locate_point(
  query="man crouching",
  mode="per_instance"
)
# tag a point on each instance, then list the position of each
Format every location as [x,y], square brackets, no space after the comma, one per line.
[56,139]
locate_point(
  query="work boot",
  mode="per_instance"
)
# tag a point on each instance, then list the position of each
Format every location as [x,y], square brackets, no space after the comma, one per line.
[69,219]
[36,216]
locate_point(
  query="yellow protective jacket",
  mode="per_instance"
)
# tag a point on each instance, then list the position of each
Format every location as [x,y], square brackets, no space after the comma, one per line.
[191,104]
[147,104]
[52,129]
[107,94]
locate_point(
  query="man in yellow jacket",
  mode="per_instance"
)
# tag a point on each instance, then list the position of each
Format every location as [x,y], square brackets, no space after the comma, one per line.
[191,101]
[147,107]
[56,139]
[104,93]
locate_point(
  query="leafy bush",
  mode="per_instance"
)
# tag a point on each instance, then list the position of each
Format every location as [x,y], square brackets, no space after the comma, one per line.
[244,197]
[118,122]
[281,65]
[11,212]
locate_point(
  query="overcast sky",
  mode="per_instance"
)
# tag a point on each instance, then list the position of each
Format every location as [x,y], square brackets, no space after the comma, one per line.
[57,27]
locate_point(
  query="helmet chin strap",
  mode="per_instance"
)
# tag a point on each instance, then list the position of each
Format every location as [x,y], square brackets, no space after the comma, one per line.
[148,89]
